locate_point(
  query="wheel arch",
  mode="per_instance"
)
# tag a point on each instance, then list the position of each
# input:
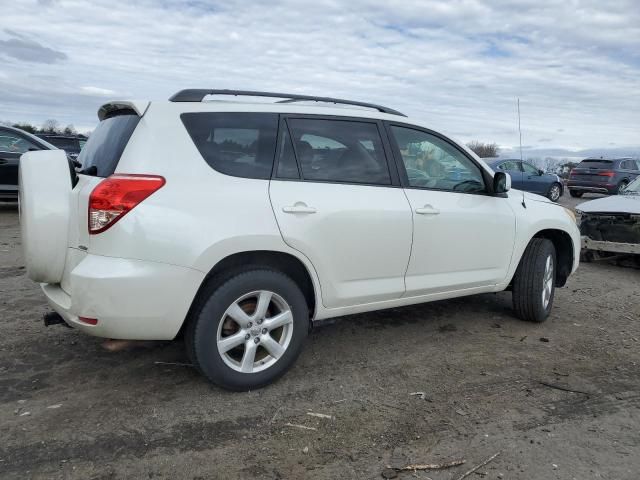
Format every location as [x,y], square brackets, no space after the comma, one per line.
[234,263]
[564,252]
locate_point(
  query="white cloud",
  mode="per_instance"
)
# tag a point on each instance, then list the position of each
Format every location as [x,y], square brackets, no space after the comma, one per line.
[457,65]
[97,91]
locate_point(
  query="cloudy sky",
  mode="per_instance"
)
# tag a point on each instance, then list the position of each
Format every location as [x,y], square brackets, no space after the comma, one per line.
[457,65]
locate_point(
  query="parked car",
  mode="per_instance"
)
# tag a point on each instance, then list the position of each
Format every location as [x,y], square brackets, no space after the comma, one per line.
[529,178]
[600,175]
[612,224]
[72,144]
[13,143]
[239,224]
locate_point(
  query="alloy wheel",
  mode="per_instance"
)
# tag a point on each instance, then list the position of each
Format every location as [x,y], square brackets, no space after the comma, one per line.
[255,331]
[547,282]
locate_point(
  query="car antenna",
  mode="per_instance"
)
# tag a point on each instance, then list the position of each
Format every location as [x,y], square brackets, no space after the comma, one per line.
[520,132]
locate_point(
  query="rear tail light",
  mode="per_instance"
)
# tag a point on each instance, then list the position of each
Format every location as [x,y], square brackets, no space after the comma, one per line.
[606,174]
[116,195]
[88,321]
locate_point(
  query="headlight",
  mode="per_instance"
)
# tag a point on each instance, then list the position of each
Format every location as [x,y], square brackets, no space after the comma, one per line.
[578,217]
[571,214]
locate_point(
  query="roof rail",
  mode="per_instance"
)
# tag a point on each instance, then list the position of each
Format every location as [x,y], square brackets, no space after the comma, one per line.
[198,94]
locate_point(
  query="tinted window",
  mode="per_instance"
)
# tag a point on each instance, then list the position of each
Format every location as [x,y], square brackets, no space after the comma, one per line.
[238,144]
[339,151]
[433,163]
[511,166]
[596,163]
[13,143]
[106,144]
[530,169]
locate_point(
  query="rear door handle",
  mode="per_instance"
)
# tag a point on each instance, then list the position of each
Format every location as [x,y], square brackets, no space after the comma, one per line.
[299,207]
[427,210]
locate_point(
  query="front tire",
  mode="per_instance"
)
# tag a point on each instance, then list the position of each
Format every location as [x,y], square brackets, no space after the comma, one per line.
[250,330]
[555,192]
[534,281]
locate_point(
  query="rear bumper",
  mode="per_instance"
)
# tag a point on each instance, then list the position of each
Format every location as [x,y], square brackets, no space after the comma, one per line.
[594,188]
[132,299]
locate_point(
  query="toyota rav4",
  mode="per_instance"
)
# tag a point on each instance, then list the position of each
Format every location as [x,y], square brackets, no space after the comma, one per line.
[236,225]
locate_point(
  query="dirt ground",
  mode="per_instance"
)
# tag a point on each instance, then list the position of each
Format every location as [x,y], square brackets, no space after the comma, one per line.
[559,400]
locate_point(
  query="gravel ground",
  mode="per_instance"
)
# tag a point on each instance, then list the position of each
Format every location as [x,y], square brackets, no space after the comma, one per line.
[559,400]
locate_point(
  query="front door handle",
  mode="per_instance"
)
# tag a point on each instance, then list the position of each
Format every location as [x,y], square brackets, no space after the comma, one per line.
[427,210]
[299,207]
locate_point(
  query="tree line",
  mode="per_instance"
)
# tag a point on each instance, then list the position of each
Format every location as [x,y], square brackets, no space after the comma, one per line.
[51,127]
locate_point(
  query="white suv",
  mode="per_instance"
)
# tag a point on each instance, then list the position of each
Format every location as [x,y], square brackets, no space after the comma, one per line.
[236,225]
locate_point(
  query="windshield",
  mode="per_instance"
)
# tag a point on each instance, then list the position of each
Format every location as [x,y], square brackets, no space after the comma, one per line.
[633,188]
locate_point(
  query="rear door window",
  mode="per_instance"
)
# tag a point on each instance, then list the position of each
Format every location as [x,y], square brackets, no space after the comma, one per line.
[107,142]
[237,144]
[342,151]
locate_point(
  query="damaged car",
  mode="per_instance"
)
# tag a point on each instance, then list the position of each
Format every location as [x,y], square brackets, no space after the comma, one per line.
[611,224]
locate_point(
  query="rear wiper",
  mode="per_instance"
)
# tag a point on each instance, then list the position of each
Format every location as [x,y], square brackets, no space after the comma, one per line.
[92,170]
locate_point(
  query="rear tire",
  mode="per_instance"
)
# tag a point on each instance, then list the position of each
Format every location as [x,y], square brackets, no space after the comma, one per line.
[575,193]
[534,281]
[249,331]
[621,186]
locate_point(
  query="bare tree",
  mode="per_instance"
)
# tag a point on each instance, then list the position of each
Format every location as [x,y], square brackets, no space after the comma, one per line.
[69,130]
[50,126]
[484,150]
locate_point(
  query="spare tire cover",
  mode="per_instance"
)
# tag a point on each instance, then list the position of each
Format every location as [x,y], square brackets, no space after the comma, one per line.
[44,194]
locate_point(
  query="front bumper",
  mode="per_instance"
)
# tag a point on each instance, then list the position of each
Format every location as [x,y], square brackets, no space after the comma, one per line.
[614,247]
[132,299]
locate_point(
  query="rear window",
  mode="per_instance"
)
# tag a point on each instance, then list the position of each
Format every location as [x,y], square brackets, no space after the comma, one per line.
[596,163]
[107,142]
[237,144]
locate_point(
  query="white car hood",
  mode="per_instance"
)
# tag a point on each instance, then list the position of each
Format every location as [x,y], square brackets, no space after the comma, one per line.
[613,204]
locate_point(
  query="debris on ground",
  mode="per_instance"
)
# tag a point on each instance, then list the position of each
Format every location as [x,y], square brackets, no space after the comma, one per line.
[392,472]
[544,339]
[564,389]
[422,395]
[180,364]
[302,427]
[480,465]
[320,415]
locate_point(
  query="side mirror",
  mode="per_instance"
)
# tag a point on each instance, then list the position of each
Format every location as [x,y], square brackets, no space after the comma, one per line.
[541,172]
[501,182]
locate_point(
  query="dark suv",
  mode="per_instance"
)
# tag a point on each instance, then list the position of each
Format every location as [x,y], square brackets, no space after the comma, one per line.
[600,175]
